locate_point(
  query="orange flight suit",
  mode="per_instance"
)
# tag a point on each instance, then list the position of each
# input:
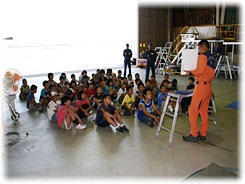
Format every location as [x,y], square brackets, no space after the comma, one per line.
[204,74]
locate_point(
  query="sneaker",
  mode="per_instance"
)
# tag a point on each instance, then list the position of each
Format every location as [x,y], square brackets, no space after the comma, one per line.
[119,129]
[79,126]
[93,117]
[202,138]
[190,138]
[125,128]
[41,109]
[150,124]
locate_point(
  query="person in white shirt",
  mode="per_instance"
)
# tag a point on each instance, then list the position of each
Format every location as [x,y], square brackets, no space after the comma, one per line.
[53,107]
[121,92]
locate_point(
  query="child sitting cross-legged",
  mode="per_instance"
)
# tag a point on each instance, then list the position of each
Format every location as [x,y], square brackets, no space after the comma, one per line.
[161,96]
[24,90]
[109,115]
[53,107]
[139,94]
[97,98]
[121,93]
[148,111]
[84,106]
[128,102]
[67,114]
[31,103]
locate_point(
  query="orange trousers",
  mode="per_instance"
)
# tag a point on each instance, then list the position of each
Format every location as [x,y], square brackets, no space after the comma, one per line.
[199,105]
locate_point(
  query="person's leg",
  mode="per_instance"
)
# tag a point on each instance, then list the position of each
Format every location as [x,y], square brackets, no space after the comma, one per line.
[153,68]
[118,117]
[110,121]
[129,67]
[68,120]
[54,117]
[194,112]
[148,120]
[204,115]
[127,112]
[125,68]
[147,71]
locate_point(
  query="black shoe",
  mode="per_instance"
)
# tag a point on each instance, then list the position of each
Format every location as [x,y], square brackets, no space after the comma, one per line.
[125,128]
[150,124]
[120,129]
[202,138]
[190,138]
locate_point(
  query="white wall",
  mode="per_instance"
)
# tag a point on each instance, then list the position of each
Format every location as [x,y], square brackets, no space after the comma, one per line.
[62,35]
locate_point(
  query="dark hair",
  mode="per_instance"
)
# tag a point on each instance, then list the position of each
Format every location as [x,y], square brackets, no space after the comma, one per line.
[91,83]
[128,88]
[174,84]
[163,86]
[145,91]
[141,83]
[153,76]
[108,82]
[84,71]
[124,83]
[165,81]
[127,45]
[105,96]
[97,86]
[129,75]
[63,74]
[192,79]
[61,77]
[102,71]
[50,74]
[64,99]
[109,70]
[147,80]
[45,82]
[79,95]
[85,77]
[50,87]
[137,74]
[136,80]
[33,87]
[204,43]
[72,83]
[73,75]
[119,71]
[72,98]
[24,80]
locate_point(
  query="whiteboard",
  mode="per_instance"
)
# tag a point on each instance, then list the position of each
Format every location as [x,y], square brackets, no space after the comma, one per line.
[189,60]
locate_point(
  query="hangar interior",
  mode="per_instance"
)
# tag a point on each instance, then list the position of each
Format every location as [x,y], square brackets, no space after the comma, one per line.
[50,152]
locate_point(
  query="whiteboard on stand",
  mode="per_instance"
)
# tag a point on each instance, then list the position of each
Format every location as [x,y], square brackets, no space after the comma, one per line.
[189,60]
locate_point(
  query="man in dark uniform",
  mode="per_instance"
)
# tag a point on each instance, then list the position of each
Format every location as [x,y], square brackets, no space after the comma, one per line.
[150,56]
[127,53]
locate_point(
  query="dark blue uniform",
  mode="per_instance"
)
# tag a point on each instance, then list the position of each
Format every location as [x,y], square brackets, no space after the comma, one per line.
[127,53]
[150,56]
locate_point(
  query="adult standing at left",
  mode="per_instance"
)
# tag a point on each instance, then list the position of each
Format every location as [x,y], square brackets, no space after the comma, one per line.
[127,54]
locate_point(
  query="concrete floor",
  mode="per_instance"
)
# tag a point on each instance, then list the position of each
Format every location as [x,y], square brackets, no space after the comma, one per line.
[100,152]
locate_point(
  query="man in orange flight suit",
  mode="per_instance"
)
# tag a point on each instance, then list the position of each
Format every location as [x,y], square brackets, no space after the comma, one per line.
[204,73]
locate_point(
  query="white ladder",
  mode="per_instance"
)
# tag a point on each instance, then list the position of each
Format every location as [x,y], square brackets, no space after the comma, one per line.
[163,54]
[224,64]
[178,98]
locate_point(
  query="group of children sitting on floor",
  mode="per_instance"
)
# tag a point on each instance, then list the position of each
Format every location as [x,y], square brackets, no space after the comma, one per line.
[67,103]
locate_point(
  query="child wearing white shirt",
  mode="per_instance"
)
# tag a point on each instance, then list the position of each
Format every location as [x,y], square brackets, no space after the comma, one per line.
[53,107]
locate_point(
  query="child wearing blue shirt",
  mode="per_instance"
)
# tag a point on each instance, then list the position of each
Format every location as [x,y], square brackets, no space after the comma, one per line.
[161,96]
[148,111]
